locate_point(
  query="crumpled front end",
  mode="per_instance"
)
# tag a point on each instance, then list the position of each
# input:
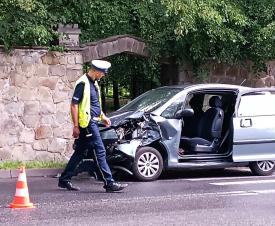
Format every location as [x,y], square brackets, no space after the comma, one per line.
[124,139]
[138,130]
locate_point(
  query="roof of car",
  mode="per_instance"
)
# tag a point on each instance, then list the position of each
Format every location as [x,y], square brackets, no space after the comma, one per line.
[216,86]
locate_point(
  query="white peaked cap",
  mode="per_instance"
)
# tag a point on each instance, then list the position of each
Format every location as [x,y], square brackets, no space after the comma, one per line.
[101,65]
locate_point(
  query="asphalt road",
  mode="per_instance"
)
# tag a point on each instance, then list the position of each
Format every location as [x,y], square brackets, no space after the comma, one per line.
[230,197]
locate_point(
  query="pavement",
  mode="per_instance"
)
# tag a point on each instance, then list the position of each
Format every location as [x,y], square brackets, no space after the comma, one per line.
[192,198]
[5,174]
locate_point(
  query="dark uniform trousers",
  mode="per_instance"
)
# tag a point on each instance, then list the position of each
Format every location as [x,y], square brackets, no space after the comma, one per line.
[93,143]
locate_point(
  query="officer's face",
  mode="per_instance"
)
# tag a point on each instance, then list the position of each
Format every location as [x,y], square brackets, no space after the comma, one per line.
[99,75]
[96,75]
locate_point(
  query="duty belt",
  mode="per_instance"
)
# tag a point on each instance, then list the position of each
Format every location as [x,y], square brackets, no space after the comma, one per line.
[96,119]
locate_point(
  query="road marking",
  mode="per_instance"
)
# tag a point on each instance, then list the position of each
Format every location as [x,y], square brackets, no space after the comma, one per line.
[196,195]
[215,178]
[162,198]
[252,192]
[228,178]
[266,191]
[243,182]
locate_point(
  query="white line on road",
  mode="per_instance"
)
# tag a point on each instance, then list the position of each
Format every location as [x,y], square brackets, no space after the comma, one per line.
[228,178]
[266,191]
[243,182]
[171,197]
[197,195]
[252,192]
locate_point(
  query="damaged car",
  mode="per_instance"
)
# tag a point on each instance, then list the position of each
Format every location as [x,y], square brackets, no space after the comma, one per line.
[193,127]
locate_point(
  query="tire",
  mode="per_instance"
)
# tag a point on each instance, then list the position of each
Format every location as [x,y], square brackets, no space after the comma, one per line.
[148,164]
[262,168]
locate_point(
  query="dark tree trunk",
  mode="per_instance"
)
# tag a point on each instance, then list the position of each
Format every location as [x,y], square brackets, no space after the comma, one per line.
[134,86]
[116,95]
[103,97]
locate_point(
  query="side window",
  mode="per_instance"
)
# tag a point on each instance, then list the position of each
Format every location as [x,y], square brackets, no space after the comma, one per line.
[257,105]
[188,98]
[171,110]
[195,101]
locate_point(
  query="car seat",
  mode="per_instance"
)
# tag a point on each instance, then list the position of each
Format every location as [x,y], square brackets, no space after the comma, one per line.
[191,124]
[209,130]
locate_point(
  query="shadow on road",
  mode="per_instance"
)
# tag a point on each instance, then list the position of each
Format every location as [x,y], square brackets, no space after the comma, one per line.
[186,174]
[192,174]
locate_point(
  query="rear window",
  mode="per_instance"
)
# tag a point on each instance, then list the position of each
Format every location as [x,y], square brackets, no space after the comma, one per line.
[257,105]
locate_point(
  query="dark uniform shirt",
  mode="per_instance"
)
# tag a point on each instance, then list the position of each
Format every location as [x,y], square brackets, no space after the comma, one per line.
[78,95]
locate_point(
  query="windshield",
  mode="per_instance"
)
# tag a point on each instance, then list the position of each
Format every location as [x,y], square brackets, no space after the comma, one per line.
[151,100]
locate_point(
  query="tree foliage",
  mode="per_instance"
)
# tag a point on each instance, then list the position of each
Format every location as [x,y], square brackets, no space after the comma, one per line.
[231,31]
[24,22]
[227,31]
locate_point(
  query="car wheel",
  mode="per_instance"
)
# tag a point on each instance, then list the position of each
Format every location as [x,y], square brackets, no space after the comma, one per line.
[262,168]
[148,164]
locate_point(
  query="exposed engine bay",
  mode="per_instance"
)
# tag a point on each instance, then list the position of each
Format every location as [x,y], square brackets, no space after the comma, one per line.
[137,128]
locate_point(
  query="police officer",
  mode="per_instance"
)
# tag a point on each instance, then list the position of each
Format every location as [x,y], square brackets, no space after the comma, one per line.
[86,113]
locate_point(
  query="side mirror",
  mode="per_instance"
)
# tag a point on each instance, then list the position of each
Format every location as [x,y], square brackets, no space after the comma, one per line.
[184,113]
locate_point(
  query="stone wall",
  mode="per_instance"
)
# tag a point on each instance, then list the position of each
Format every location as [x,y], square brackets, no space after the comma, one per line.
[221,73]
[35,91]
[36,88]
[114,45]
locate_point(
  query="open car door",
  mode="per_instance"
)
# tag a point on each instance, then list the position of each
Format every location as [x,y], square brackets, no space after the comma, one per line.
[254,127]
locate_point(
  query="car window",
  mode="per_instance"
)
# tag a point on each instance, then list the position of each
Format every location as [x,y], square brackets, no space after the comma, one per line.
[257,105]
[188,98]
[151,100]
[171,110]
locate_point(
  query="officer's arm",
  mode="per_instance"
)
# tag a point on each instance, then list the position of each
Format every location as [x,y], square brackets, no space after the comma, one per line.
[74,112]
[77,97]
[105,119]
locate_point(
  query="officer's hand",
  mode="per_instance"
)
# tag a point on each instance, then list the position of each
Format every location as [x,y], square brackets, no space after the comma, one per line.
[106,121]
[76,132]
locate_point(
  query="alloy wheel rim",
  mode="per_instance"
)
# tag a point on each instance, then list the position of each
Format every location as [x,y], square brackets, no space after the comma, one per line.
[266,165]
[148,164]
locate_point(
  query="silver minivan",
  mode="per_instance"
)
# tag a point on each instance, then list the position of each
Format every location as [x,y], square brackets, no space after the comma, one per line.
[193,127]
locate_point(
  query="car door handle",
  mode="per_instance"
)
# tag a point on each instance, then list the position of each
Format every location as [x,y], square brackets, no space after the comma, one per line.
[247,122]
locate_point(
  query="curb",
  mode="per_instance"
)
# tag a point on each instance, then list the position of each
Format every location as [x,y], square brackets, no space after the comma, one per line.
[5,174]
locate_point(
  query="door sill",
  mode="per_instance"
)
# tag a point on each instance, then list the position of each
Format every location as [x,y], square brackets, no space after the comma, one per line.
[224,156]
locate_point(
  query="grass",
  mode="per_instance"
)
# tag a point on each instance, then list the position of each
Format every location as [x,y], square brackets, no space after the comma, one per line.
[31,164]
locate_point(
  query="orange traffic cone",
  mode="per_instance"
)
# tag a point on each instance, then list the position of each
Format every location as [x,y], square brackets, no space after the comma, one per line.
[21,198]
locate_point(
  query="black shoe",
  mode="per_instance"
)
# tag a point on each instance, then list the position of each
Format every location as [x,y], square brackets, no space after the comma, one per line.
[68,185]
[113,187]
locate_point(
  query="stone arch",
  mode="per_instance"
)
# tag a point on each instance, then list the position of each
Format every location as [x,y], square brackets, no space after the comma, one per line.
[113,45]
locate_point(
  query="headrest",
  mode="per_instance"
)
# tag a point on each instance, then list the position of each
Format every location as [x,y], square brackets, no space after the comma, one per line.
[215,101]
[196,100]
